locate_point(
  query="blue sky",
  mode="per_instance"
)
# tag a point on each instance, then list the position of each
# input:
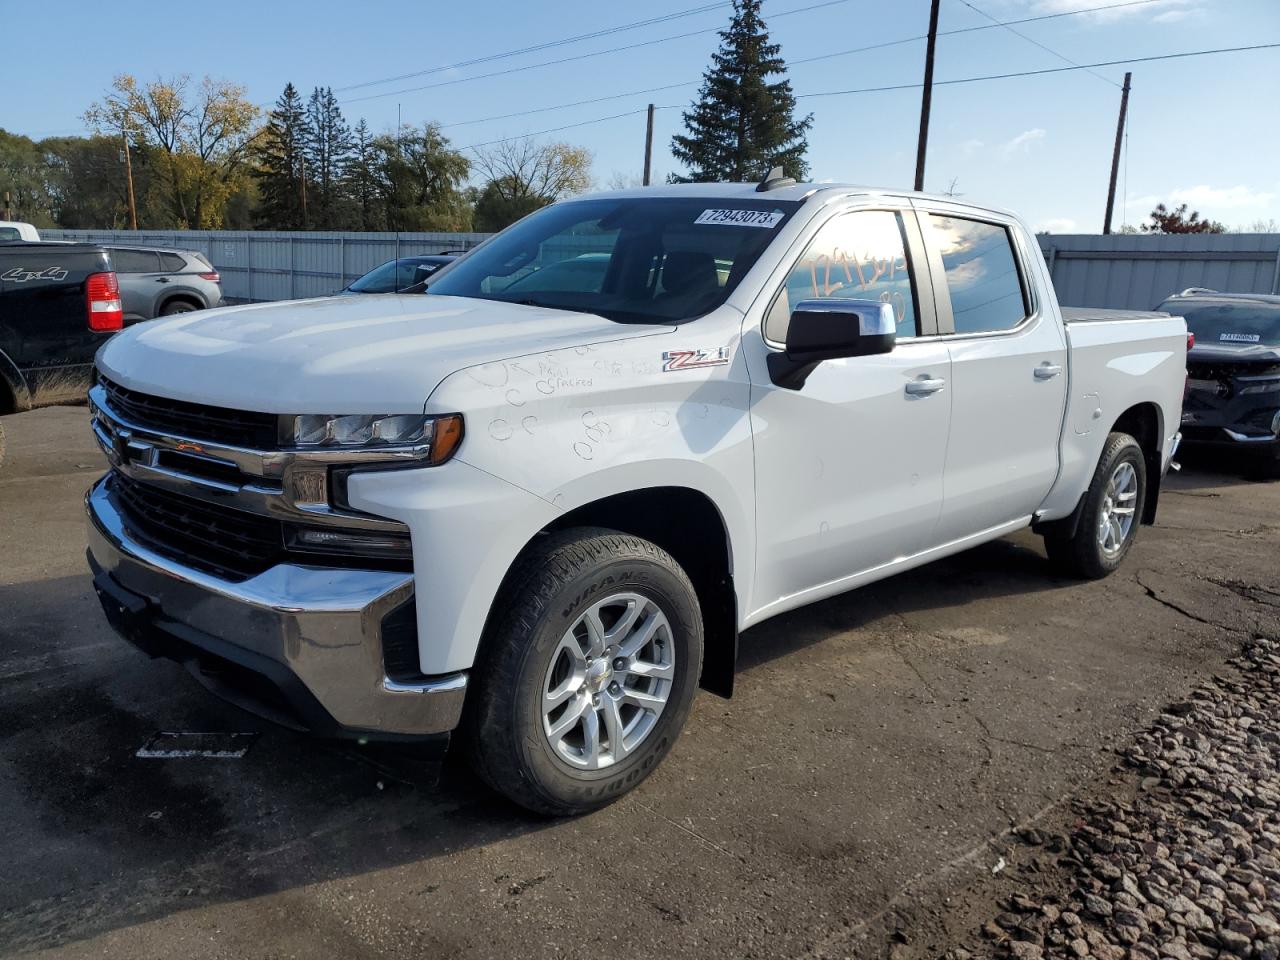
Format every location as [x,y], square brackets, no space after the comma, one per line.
[1203,130]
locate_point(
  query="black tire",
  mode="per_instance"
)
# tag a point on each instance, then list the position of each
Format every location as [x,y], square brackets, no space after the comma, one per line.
[542,597]
[1267,467]
[174,307]
[1081,555]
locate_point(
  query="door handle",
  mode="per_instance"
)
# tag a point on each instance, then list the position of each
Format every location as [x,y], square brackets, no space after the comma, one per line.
[162,279]
[924,386]
[1047,370]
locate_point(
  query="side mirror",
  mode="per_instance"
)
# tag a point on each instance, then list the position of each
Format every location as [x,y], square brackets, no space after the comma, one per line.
[828,330]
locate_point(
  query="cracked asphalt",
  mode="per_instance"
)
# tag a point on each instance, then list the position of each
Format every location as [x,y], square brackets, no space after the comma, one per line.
[881,749]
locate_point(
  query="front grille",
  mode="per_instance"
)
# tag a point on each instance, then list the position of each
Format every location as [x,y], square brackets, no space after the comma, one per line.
[236,428]
[229,543]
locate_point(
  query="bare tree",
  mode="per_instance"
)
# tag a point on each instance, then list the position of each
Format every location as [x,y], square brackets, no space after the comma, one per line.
[520,169]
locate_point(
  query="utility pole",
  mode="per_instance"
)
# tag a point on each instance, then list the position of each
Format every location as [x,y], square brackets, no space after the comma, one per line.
[927,99]
[128,177]
[1115,154]
[648,146]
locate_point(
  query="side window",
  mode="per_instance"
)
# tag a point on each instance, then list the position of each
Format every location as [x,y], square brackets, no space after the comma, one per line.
[859,255]
[135,261]
[172,263]
[982,274]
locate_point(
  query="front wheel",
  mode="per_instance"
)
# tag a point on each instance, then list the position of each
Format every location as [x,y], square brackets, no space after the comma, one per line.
[1111,515]
[586,676]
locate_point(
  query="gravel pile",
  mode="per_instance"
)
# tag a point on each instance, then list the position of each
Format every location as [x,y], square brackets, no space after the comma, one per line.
[1190,867]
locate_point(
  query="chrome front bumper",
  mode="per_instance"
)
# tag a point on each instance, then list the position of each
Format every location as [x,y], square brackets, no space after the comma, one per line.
[313,633]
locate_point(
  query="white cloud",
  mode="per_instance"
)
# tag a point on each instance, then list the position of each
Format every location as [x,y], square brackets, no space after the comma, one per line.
[1024,141]
[970,147]
[1205,198]
[1152,10]
[1057,225]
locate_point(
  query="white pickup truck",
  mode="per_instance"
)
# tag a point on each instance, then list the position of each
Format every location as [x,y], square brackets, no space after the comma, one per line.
[540,502]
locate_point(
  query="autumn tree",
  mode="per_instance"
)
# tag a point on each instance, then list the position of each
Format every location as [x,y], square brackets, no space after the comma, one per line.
[522,175]
[200,139]
[1164,220]
[278,158]
[744,121]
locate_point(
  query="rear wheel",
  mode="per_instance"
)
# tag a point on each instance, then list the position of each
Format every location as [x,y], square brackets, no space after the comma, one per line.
[586,679]
[1111,515]
[174,307]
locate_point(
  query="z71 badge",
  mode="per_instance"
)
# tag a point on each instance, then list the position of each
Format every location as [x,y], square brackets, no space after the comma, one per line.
[688,359]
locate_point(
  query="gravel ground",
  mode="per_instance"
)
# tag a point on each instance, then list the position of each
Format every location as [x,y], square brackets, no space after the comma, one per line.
[1189,865]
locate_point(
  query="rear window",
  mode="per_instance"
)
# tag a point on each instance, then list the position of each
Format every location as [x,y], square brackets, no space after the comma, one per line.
[172,263]
[135,261]
[10,233]
[982,274]
[1242,324]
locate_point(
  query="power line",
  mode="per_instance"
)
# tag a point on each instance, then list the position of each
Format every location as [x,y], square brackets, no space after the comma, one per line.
[793,63]
[1047,70]
[1047,49]
[607,31]
[910,86]
[581,56]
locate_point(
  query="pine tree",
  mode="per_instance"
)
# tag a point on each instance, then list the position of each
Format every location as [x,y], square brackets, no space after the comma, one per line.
[742,124]
[327,148]
[279,164]
[362,178]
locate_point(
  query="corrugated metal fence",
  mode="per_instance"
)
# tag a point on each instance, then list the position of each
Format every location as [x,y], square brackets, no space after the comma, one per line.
[1119,271]
[1135,272]
[279,265]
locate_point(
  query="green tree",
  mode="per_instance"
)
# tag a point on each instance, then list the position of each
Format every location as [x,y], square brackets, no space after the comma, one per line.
[87,178]
[279,160]
[743,123]
[420,180]
[327,148]
[362,179]
[24,174]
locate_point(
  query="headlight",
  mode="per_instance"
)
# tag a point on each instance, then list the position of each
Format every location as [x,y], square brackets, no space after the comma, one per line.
[434,437]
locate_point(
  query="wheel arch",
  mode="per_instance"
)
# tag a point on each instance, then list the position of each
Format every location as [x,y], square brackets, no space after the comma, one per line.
[15,395]
[687,524]
[1145,423]
[181,296]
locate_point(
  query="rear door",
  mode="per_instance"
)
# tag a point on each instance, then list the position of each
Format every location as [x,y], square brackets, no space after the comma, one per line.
[141,282]
[1008,370]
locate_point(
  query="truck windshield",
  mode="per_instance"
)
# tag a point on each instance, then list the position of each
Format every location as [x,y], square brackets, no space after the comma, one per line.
[629,259]
[1225,323]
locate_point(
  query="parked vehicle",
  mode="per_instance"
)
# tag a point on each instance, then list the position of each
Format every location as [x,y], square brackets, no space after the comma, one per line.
[13,230]
[161,283]
[397,276]
[58,302]
[546,514]
[1233,386]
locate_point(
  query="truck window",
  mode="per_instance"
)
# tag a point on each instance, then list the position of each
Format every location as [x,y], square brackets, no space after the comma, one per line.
[859,255]
[982,273]
[10,233]
[135,261]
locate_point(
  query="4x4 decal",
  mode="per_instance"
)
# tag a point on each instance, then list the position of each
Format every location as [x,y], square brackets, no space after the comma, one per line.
[18,275]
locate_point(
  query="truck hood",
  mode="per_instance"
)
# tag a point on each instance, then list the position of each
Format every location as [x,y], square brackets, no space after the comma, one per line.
[373,354]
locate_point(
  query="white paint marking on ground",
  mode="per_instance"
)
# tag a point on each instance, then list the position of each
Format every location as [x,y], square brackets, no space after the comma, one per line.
[179,745]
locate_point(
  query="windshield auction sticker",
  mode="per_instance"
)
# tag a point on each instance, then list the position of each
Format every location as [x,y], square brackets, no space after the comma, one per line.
[1239,337]
[741,218]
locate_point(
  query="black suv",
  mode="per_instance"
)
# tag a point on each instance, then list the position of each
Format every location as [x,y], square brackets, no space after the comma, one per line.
[1233,385]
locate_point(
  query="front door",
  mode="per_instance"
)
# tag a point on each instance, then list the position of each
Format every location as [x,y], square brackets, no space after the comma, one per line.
[849,467]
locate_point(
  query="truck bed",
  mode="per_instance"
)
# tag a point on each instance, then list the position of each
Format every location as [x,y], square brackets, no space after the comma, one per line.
[1093,314]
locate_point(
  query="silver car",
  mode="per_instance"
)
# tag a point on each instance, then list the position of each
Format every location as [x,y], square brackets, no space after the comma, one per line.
[160,283]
